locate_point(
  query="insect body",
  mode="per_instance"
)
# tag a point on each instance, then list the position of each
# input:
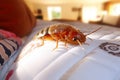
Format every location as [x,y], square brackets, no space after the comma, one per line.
[62,32]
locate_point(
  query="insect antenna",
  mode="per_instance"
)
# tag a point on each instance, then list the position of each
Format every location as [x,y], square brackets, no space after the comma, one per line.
[93,31]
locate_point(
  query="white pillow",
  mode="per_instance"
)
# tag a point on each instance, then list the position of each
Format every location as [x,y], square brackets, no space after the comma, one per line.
[111,20]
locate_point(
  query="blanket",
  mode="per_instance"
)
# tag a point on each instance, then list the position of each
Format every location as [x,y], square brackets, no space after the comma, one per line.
[98,59]
[9,44]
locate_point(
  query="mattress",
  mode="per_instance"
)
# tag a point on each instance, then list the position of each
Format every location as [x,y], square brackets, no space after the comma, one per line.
[97,59]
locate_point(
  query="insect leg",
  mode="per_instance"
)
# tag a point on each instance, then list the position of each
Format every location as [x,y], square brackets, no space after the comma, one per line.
[56,45]
[65,41]
[42,41]
[61,37]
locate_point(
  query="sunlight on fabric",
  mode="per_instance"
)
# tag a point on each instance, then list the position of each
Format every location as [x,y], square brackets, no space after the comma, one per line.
[47,48]
[30,47]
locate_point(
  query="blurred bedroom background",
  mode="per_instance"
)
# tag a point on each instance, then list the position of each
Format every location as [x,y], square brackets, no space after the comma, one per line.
[81,10]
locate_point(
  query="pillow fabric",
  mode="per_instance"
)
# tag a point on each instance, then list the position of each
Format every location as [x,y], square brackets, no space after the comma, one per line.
[9,43]
[110,20]
[16,17]
[6,34]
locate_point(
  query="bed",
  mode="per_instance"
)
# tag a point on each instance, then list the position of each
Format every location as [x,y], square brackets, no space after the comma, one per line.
[98,59]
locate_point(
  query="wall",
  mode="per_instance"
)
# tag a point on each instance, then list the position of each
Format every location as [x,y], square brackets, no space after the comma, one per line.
[67,12]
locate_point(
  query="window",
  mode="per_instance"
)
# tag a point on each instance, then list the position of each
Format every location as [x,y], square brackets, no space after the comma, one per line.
[54,12]
[115,9]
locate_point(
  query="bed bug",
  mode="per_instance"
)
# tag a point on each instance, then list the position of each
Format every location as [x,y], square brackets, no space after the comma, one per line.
[63,32]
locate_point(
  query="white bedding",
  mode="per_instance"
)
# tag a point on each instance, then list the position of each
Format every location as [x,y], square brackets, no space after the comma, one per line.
[99,60]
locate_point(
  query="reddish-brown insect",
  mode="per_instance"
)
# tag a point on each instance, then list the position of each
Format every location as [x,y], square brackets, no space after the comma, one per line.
[63,32]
